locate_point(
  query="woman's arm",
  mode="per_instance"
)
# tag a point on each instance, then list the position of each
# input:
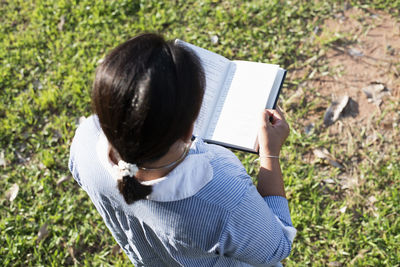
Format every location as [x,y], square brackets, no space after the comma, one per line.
[259,230]
[273,132]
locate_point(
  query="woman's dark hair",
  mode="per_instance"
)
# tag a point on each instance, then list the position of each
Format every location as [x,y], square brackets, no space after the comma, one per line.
[147,93]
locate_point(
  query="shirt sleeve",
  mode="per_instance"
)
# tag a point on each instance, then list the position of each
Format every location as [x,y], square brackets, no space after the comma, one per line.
[81,149]
[259,231]
[71,164]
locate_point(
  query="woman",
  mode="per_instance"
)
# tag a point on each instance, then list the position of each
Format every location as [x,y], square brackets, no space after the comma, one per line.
[170,199]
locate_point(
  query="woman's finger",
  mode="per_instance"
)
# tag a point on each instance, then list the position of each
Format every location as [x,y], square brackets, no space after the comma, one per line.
[279,111]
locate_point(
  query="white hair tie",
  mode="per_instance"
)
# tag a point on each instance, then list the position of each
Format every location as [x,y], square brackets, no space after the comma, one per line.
[127,169]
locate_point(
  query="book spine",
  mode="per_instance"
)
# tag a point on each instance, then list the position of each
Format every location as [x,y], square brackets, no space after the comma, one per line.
[279,90]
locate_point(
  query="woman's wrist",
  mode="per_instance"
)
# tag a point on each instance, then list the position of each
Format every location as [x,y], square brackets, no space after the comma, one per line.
[269,156]
[269,161]
[270,182]
[267,153]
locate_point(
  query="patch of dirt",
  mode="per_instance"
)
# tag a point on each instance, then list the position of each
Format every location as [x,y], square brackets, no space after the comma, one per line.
[372,55]
[364,50]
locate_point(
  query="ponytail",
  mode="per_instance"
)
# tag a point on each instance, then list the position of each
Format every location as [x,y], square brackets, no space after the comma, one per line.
[132,190]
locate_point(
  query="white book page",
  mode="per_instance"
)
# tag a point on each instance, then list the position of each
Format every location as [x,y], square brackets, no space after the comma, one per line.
[219,104]
[215,68]
[238,122]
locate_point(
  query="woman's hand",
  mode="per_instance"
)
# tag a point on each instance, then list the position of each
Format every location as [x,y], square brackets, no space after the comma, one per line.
[273,132]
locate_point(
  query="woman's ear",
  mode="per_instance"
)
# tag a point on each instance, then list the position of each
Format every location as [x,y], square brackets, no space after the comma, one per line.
[188,136]
[113,154]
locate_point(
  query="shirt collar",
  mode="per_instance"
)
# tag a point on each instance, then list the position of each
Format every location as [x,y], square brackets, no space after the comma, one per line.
[184,181]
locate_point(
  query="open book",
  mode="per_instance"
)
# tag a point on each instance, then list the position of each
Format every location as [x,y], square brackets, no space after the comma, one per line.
[236,93]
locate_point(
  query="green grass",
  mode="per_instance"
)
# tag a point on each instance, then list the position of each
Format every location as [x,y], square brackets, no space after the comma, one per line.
[49,51]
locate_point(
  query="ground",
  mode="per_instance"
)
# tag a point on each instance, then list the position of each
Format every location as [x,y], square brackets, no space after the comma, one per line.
[364,52]
[341,178]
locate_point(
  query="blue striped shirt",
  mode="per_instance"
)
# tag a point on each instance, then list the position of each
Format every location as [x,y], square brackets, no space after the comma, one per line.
[206,212]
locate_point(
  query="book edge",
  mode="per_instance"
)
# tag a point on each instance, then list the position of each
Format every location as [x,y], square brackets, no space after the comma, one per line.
[280,88]
[231,146]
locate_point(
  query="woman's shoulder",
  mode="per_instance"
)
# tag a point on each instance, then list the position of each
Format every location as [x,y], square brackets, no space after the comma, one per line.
[87,134]
[87,126]
[87,159]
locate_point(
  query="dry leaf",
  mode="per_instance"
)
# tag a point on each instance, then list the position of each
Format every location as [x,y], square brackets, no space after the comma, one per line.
[296,98]
[372,89]
[60,25]
[349,183]
[214,39]
[334,264]
[2,159]
[324,154]
[116,250]
[355,52]
[329,181]
[321,153]
[309,128]
[63,179]
[72,252]
[375,92]
[43,232]
[333,112]
[343,209]
[37,84]
[359,255]
[12,193]
[372,199]
[21,158]
[336,164]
